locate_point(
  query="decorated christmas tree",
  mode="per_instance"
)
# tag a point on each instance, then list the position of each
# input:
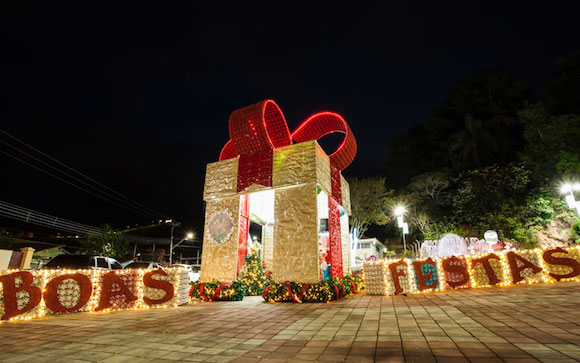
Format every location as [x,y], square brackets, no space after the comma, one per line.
[253,275]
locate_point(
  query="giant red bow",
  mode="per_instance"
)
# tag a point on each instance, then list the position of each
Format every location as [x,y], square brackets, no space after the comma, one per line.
[262,126]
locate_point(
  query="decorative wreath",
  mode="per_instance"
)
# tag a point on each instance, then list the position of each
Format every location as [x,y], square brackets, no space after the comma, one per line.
[220,226]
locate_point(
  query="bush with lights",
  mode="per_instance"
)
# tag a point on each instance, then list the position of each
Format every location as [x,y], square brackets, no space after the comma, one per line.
[320,292]
[253,275]
[339,287]
[217,291]
[356,281]
[290,291]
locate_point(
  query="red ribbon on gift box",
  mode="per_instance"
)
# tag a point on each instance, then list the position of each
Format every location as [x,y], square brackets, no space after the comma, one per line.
[262,126]
[257,129]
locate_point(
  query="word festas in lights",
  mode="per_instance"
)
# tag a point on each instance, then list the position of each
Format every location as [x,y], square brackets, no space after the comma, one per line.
[393,277]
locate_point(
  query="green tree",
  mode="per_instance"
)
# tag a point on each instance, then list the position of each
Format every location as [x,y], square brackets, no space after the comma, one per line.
[468,143]
[252,274]
[552,142]
[109,243]
[575,231]
[490,156]
[491,197]
[430,185]
[562,90]
[477,124]
[369,199]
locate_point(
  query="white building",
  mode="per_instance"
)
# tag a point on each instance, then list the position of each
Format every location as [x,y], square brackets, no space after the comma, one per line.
[368,248]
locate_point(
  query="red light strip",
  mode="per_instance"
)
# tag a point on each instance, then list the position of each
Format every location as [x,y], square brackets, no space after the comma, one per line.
[324,123]
[228,151]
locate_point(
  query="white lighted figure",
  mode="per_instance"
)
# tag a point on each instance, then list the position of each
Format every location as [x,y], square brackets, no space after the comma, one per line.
[491,238]
[451,245]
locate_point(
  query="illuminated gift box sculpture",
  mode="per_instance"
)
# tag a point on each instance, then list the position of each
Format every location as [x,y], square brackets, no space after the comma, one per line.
[280,194]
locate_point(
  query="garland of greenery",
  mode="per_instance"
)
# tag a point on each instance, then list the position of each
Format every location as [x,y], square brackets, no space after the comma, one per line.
[289,291]
[324,291]
[217,291]
[356,281]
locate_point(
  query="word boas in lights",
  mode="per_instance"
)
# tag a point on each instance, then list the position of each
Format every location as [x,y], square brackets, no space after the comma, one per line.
[33,294]
[393,277]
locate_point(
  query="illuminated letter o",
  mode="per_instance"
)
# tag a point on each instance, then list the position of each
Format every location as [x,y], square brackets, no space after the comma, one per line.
[51,293]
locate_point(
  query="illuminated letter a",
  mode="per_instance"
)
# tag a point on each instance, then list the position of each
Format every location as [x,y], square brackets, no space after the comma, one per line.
[107,290]
[517,270]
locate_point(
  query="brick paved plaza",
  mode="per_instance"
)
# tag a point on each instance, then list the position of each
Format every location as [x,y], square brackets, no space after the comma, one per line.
[514,324]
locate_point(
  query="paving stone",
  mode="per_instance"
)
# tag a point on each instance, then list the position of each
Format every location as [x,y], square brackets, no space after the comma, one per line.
[520,323]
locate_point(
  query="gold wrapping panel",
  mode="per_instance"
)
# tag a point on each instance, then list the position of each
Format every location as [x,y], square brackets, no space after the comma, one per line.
[268,246]
[294,164]
[323,170]
[219,260]
[296,234]
[345,191]
[221,179]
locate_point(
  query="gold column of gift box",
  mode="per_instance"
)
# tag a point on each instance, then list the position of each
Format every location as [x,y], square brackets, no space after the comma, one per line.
[220,237]
[296,234]
[344,227]
[294,176]
[221,179]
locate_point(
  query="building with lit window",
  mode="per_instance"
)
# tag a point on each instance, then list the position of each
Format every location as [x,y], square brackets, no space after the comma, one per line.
[368,248]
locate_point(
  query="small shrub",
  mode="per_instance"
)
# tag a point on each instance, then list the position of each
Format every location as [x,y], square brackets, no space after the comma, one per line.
[530,239]
[234,291]
[575,231]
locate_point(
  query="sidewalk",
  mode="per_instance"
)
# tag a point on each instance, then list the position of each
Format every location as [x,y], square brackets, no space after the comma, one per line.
[513,324]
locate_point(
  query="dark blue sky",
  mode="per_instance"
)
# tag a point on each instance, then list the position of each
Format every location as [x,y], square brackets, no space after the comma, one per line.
[138,96]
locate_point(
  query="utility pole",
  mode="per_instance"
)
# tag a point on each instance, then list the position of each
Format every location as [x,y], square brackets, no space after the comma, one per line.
[173,224]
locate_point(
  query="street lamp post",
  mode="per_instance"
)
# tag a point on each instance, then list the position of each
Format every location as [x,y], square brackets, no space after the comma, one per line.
[569,189]
[188,237]
[173,224]
[399,212]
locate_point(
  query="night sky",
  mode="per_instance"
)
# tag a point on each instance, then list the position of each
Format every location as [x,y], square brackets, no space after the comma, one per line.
[138,97]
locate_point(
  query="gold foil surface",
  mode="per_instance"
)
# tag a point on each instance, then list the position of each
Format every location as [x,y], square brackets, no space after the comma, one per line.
[323,170]
[294,164]
[345,191]
[220,260]
[221,179]
[268,245]
[296,234]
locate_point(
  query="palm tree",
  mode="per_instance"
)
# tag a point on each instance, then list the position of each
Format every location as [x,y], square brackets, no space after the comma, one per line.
[467,143]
